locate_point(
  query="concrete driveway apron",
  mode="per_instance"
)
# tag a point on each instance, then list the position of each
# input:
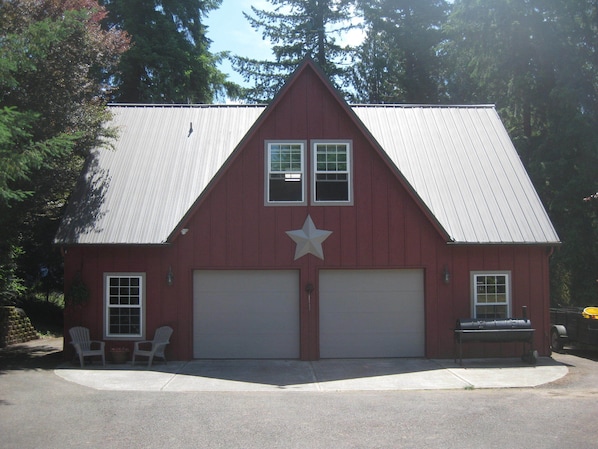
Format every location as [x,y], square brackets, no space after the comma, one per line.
[323,375]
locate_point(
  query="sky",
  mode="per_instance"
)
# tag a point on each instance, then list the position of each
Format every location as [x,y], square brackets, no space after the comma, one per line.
[230,31]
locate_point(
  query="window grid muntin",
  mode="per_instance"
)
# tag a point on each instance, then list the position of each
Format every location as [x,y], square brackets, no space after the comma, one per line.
[332,157]
[285,158]
[286,164]
[491,295]
[124,305]
[331,172]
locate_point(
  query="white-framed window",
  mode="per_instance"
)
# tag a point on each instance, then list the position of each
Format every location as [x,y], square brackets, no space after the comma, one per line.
[285,167]
[332,182]
[491,294]
[124,305]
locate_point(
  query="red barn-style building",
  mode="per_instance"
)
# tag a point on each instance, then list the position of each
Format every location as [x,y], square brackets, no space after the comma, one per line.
[306,229]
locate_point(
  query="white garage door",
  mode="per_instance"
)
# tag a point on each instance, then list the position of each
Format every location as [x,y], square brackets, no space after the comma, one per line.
[372,313]
[246,314]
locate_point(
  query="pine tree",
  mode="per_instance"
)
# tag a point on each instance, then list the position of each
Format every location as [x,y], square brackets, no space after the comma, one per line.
[296,29]
[169,61]
[397,62]
[537,62]
[52,112]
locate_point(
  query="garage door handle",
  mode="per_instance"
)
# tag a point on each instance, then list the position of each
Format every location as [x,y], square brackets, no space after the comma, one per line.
[309,287]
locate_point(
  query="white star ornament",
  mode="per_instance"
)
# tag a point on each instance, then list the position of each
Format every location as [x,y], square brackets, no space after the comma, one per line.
[309,239]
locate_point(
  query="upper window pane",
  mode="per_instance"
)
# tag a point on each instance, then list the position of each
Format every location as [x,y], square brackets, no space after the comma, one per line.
[286,158]
[285,172]
[332,172]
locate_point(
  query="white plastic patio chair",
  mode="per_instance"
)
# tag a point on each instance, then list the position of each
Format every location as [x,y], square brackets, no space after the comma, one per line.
[84,346]
[155,347]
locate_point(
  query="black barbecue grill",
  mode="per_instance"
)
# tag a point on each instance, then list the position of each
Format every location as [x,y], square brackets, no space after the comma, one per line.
[496,331]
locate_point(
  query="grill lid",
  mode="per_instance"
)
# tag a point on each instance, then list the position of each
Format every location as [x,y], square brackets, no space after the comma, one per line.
[477,324]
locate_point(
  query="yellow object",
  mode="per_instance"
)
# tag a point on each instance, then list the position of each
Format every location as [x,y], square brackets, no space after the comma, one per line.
[590,312]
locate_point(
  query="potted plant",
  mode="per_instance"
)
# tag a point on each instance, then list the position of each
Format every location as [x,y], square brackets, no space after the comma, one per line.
[119,354]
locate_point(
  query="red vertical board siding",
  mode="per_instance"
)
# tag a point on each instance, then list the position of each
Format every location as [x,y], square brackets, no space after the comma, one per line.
[529,288]
[521,287]
[347,237]
[380,212]
[197,241]
[180,309]
[461,280]
[218,218]
[543,314]
[363,208]
[234,225]
[538,290]
[396,238]
[412,238]
[232,228]
[332,220]
[251,232]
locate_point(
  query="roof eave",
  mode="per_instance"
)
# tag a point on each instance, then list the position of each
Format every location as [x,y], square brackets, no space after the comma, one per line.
[464,243]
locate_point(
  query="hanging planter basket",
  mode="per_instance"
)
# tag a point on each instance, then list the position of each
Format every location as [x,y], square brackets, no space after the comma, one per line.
[78,293]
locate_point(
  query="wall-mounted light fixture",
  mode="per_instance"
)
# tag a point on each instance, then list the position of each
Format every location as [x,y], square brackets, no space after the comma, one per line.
[446,275]
[169,277]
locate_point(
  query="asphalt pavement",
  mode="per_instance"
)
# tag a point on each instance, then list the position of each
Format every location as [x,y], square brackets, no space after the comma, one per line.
[345,404]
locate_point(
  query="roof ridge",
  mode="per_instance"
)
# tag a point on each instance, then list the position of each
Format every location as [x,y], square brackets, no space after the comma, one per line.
[413,105]
[259,105]
[189,106]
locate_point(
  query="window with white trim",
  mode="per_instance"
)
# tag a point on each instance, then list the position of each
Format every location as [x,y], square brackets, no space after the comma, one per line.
[332,172]
[491,295]
[124,304]
[286,173]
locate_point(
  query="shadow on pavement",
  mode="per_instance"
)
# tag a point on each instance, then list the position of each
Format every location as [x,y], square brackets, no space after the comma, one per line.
[45,353]
[327,374]
[584,353]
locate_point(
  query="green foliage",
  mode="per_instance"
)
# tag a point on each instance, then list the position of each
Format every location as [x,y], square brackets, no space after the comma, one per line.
[11,287]
[397,61]
[537,61]
[20,154]
[45,313]
[169,61]
[296,29]
[53,59]
[78,292]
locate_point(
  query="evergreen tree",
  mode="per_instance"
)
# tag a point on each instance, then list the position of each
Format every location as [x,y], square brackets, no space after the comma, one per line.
[536,60]
[397,62]
[169,60]
[296,29]
[52,112]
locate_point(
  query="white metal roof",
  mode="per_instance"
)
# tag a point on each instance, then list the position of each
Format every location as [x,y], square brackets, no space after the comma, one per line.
[462,163]
[138,192]
[459,160]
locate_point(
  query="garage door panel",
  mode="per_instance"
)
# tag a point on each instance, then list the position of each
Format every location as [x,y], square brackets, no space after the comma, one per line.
[372,280]
[246,314]
[406,345]
[217,280]
[399,302]
[244,346]
[361,322]
[371,313]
